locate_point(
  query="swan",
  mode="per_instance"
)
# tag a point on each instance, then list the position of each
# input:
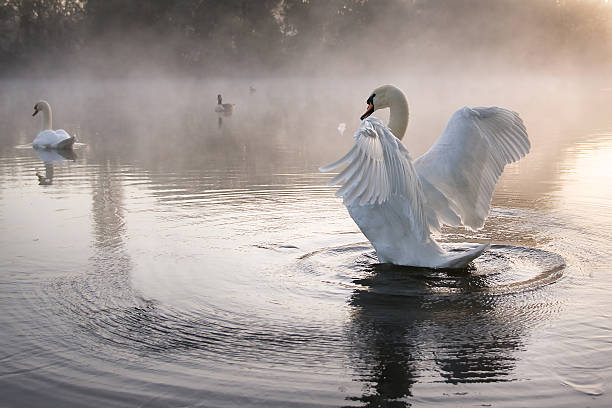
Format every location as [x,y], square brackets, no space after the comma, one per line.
[49,138]
[398,203]
[221,107]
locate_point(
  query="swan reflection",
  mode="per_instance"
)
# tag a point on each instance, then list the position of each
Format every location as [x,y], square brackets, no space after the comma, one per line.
[405,326]
[48,157]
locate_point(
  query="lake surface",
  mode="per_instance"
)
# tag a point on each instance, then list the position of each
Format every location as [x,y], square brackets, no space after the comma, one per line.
[185,259]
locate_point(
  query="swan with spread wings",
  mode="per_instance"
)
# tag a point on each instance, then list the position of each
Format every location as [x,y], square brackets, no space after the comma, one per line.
[398,203]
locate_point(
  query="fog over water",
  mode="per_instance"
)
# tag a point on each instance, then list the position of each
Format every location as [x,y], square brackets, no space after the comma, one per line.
[179,257]
[247,39]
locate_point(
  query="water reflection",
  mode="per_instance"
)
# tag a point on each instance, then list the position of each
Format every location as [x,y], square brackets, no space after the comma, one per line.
[47,179]
[49,157]
[402,334]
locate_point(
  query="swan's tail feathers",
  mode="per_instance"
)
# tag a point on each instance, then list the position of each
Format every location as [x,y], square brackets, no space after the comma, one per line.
[463,258]
[66,143]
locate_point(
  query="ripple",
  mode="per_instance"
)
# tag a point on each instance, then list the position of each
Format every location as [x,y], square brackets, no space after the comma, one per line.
[503,269]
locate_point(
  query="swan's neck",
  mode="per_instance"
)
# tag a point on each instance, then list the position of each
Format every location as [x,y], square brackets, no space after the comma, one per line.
[398,115]
[46,119]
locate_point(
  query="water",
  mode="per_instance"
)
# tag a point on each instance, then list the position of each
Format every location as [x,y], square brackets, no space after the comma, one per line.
[181,259]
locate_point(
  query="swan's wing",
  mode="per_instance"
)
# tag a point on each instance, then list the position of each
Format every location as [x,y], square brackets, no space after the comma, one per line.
[46,138]
[379,169]
[62,134]
[460,170]
[50,138]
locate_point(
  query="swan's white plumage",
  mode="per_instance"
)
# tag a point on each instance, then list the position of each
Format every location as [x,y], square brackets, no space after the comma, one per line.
[51,139]
[397,203]
[379,169]
[461,169]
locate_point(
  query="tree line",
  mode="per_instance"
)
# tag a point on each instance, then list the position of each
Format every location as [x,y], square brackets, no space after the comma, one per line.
[214,34]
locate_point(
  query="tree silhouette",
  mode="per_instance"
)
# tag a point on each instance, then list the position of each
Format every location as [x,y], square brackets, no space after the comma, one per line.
[215,35]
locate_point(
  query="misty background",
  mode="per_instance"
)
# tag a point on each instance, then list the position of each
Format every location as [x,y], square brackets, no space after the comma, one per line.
[140,78]
[313,37]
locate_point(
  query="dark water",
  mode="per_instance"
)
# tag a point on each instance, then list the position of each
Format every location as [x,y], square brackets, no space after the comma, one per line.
[182,259]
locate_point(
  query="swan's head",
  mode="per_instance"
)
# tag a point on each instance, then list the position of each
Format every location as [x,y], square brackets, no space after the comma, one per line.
[219,100]
[41,106]
[380,98]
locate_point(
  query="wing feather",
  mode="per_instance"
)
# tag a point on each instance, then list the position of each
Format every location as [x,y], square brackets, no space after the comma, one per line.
[379,169]
[359,184]
[460,171]
[346,175]
[345,159]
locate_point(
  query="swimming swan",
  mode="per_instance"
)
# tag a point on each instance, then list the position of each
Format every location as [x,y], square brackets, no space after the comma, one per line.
[49,138]
[397,203]
[221,107]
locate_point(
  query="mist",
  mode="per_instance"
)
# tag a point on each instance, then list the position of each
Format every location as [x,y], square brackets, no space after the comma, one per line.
[294,37]
[144,75]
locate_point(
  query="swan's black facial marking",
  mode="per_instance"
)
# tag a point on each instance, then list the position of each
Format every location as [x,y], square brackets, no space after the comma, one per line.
[35,110]
[370,110]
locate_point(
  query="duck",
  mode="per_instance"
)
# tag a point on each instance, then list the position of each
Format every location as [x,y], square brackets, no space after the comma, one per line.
[221,107]
[48,138]
[399,203]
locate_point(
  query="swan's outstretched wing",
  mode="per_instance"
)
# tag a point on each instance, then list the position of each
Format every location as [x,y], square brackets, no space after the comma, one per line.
[379,169]
[460,170]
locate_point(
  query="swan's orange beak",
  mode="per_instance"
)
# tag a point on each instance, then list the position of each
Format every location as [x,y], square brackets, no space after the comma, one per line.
[368,112]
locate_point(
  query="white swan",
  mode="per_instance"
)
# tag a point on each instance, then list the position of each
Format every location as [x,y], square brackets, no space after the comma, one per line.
[49,138]
[398,203]
[221,107]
